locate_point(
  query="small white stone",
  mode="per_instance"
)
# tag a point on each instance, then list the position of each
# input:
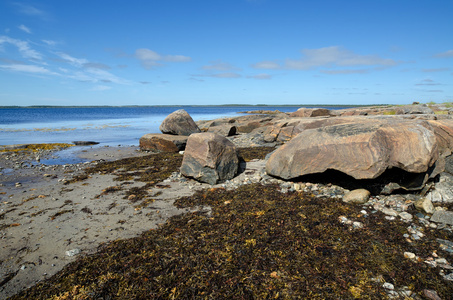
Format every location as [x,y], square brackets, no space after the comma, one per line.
[357,225]
[388,286]
[409,255]
[72,252]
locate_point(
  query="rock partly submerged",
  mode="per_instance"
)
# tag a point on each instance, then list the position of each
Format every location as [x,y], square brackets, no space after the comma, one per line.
[179,123]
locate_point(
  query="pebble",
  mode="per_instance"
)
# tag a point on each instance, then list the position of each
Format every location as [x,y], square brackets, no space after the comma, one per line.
[388,286]
[72,252]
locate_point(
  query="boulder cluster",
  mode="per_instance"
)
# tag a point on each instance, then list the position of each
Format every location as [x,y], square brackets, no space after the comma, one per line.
[381,149]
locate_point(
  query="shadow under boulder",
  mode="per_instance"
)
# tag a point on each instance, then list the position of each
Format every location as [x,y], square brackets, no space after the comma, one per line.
[393,180]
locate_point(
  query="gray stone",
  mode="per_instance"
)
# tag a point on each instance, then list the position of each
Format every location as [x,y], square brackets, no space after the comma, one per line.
[413,110]
[179,123]
[358,196]
[209,158]
[442,216]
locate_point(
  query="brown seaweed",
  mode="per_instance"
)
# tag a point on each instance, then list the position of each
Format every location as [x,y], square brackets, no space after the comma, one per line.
[257,243]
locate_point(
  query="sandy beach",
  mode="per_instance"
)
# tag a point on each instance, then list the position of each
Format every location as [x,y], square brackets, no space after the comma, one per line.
[46,224]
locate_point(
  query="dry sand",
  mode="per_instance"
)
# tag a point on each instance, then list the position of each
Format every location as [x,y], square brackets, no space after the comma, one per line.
[42,218]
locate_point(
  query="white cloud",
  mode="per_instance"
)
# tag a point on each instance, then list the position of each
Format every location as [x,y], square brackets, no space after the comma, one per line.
[96,66]
[448,53]
[24,28]
[435,70]
[266,65]
[327,57]
[219,65]
[219,75]
[150,59]
[260,76]
[331,56]
[336,72]
[49,42]
[28,69]
[22,46]
[428,82]
[177,58]
[146,54]
[78,62]
[31,10]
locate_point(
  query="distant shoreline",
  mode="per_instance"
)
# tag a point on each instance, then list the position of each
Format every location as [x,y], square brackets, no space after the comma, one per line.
[220,105]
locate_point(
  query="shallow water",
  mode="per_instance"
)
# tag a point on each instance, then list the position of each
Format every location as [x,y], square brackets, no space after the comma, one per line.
[107,125]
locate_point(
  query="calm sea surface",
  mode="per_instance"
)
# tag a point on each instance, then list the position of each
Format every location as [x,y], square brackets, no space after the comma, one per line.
[107,125]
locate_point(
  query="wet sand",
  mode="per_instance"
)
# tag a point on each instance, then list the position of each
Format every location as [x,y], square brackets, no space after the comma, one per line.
[46,224]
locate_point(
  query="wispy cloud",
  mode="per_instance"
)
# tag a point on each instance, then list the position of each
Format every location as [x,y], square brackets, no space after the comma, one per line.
[219,65]
[267,65]
[28,69]
[262,76]
[328,57]
[436,70]
[78,62]
[220,75]
[337,72]
[24,28]
[49,42]
[428,82]
[96,66]
[88,71]
[22,46]
[30,10]
[150,59]
[448,53]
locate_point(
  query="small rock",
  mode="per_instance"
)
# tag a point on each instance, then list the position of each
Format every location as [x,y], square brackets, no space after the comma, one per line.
[442,216]
[357,225]
[409,255]
[73,252]
[431,294]
[358,196]
[406,216]
[425,205]
[388,286]
[389,212]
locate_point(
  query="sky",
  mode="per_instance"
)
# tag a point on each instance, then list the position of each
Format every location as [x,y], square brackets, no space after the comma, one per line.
[203,52]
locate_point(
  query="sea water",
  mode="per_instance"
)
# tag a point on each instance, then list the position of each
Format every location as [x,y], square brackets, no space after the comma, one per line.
[108,126]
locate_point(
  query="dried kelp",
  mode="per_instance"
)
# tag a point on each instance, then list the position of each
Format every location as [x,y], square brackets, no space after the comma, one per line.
[247,154]
[257,243]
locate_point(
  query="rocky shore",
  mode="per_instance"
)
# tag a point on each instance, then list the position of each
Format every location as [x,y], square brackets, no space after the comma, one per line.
[51,215]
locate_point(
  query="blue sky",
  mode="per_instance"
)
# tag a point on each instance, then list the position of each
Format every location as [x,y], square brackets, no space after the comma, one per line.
[169,52]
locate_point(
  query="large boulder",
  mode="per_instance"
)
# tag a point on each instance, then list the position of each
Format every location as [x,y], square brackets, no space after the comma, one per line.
[414,110]
[362,150]
[163,142]
[311,112]
[179,123]
[209,158]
